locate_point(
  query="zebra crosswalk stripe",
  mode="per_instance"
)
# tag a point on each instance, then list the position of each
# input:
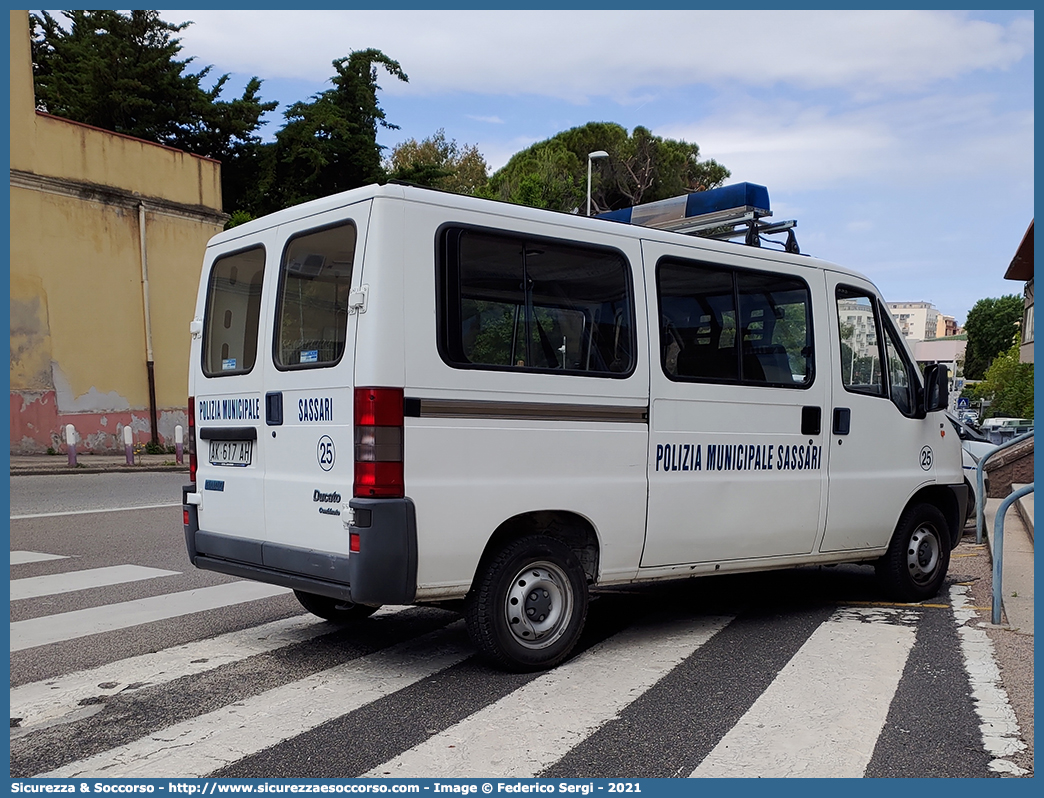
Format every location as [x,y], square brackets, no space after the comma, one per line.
[823,713]
[557,710]
[110,617]
[194,748]
[24,557]
[70,581]
[39,703]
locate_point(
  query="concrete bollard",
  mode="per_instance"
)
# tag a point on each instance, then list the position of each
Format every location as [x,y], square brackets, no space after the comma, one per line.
[70,443]
[128,444]
[178,449]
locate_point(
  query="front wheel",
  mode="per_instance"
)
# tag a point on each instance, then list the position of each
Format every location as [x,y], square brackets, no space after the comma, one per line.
[915,565]
[528,605]
[335,610]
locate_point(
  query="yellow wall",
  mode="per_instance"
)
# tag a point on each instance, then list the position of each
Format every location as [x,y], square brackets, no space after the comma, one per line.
[78,344]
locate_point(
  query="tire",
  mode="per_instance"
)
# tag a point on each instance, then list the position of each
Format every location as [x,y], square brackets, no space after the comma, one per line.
[915,566]
[528,605]
[332,609]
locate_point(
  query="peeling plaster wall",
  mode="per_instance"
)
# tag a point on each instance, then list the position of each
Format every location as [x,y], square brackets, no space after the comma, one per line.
[78,348]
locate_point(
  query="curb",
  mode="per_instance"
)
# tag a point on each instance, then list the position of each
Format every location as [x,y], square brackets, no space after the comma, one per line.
[20,471]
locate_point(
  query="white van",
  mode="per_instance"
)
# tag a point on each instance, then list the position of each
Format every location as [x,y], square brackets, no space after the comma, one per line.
[403,396]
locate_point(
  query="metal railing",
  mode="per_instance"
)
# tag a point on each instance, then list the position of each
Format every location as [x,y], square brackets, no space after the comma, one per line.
[998,521]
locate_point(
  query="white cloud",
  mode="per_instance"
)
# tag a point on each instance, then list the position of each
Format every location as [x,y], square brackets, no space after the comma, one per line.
[935,138]
[619,55]
[493,120]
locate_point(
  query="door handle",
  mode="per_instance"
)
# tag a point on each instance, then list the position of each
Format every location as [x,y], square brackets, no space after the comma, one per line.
[842,420]
[811,420]
[274,408]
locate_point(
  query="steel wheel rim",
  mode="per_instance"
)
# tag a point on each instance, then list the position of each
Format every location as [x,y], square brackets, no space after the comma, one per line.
[923,554]
[538,605]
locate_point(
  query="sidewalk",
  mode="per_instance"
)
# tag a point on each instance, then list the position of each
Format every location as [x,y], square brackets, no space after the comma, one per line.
[33,464]
[1017,573]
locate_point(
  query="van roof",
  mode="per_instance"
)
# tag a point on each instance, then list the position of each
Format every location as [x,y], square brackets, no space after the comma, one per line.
[432,196]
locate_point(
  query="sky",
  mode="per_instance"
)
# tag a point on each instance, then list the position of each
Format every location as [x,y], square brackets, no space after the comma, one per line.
[900,141]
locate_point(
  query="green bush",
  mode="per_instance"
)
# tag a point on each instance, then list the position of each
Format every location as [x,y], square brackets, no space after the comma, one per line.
[1008,385]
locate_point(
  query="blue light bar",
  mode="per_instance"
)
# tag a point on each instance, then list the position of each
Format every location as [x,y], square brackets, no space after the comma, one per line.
[738,198]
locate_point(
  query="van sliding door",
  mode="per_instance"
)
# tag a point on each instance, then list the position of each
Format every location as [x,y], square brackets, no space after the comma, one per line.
[737,466]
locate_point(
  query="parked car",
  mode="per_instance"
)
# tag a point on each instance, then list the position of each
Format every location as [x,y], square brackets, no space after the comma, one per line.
[974,446]
[972,440]
[1000,430]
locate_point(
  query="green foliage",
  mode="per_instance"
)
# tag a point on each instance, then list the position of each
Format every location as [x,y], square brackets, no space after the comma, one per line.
[121,73]
[329,144]
[238,218]
[991,326]
[440,164]
[1008,386]
[640,168]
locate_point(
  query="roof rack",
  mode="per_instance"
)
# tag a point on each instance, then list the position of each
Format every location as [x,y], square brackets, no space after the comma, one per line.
[721,213]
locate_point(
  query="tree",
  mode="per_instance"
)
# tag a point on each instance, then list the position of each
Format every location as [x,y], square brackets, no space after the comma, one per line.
[1008,385]
[121,73]
[329,144]
[992,325]
[641,168]
[439,163]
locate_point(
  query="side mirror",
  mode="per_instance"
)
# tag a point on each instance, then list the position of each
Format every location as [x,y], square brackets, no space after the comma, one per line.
[936,388]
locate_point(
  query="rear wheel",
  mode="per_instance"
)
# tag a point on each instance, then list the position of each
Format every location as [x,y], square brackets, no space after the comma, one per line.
[915,566]
[335,610]
[528,605]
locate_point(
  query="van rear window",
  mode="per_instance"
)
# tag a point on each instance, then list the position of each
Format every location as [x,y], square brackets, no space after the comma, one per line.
[513,302]
[315,280]
[233,312]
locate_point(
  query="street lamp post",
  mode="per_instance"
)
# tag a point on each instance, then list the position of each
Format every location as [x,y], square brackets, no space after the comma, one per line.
[590,157]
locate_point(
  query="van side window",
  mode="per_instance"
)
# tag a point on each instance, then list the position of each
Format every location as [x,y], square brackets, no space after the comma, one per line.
[512,302]
[860,345]
[233,312]
[703,338]
[312,314]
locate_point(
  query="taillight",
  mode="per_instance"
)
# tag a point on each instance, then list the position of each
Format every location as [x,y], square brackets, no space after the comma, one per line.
[192,438]
[378,443]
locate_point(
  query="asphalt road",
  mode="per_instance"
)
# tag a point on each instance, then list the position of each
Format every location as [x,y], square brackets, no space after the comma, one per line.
[802,672]
[63,493]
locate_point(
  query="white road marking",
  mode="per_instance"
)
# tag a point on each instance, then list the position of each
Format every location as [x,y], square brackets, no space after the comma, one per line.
[199,746]
[544,719]
[23,557]
[108,617]
[52,700]
[94,512]
[53,584]
[823,713]
[998,724]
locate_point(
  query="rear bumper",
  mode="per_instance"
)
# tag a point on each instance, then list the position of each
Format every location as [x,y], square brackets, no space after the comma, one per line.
[383,571]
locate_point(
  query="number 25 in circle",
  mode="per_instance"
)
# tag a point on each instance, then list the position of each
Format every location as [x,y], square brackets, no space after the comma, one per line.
[926,458]
[324,452]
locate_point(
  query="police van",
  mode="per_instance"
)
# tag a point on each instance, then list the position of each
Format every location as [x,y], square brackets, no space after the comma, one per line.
[403,396]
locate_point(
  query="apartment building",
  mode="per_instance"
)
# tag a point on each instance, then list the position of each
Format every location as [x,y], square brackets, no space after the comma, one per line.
[917,321]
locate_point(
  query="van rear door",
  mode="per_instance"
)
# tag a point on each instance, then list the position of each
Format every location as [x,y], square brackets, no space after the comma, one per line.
[308,399]
[228,396]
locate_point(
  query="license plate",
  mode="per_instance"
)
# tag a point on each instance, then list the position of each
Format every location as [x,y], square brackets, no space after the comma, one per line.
[230,453]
